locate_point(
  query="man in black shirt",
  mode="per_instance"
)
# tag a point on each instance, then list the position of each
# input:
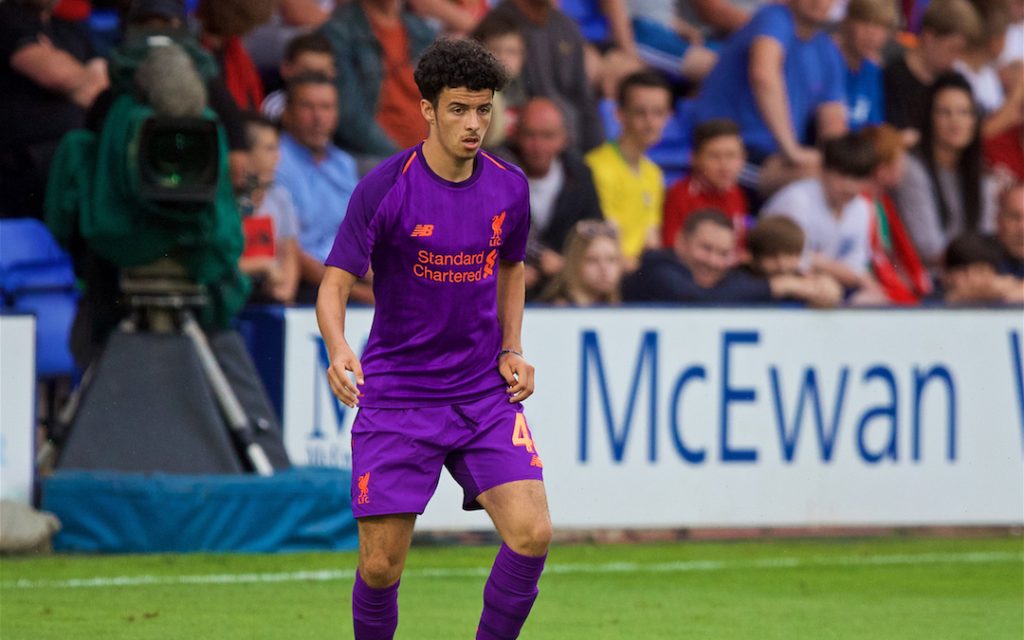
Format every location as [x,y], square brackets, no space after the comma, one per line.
[562,189]
[945,29]
[47,80]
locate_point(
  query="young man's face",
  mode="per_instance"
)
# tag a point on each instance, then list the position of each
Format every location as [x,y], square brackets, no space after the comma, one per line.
[311,117]
[309,62]
[867,39]
[460,120]
[841,189]
[1010,223]
[541,137]
[783,264]
[709,252]
[510,50]
[940,52]
[720,160]
[644,114]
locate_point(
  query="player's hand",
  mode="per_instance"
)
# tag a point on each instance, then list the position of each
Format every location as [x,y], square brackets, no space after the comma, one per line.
[342,362]
[518,374]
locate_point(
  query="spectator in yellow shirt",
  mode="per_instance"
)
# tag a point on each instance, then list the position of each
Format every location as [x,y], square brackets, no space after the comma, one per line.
[630,186]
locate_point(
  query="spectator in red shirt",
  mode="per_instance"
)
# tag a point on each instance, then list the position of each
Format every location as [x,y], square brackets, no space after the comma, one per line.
[1003,133]
[718,158]
[1004,154]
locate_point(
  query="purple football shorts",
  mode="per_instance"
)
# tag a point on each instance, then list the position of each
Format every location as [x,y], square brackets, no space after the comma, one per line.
[397,454]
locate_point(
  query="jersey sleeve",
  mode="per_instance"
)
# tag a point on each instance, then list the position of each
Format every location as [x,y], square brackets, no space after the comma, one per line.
[513,249]
[354,241]
[358,231]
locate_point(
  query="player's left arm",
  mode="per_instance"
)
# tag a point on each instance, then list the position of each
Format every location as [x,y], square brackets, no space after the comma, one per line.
[513,367]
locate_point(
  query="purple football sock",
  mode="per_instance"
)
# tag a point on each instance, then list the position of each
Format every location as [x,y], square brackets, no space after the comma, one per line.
[374,611]
[509,594]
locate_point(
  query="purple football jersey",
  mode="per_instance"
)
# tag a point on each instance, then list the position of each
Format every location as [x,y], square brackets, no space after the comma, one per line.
[434,246]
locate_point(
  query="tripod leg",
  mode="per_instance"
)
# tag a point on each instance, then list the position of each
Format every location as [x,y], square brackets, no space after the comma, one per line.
[48,451]
[229,404]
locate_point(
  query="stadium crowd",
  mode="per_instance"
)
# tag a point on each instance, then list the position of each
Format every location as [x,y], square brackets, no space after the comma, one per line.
[821,152]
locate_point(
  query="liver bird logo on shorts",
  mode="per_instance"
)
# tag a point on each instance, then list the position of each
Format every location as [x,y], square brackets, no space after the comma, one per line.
[364,489]
[496,223]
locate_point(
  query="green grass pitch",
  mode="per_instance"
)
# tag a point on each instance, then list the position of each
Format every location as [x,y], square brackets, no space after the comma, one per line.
[886,588]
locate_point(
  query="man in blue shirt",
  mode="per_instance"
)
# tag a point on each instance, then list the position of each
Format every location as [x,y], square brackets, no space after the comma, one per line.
[319,176]
[793,77]
[863,34]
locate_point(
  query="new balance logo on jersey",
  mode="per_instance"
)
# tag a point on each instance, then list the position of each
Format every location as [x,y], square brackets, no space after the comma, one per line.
[422,231]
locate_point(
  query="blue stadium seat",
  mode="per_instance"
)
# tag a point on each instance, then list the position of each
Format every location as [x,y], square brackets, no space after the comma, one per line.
[36,277]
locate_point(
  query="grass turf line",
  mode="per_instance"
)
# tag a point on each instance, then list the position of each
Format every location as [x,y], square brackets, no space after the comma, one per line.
[960,589]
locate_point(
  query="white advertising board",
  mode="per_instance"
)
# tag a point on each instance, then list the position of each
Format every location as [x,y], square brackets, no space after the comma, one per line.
[659,417]
[17,406]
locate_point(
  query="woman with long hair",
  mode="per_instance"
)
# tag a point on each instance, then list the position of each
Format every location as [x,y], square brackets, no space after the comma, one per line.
[944,192]
[593,267]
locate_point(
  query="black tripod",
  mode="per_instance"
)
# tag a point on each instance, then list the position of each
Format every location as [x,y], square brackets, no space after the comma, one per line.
[158,398]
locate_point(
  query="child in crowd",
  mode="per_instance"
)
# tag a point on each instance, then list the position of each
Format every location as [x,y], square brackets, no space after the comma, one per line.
[593,267]
[861,37]
[502,37]
[776,245]
[308,53]
[971,273]
[894,261]
[630,186]
[833,213]
[718,158]
[271,254]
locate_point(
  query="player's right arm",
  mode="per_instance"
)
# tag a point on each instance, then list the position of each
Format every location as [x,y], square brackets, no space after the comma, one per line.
[331,303]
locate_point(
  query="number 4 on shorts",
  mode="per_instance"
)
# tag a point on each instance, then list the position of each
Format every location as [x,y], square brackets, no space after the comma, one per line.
[521,434]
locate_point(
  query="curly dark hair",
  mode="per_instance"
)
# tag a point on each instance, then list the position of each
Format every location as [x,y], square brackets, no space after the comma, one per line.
[450,63]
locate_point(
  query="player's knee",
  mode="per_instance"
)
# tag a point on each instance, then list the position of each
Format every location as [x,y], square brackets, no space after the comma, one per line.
[533,540]
[380,570]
